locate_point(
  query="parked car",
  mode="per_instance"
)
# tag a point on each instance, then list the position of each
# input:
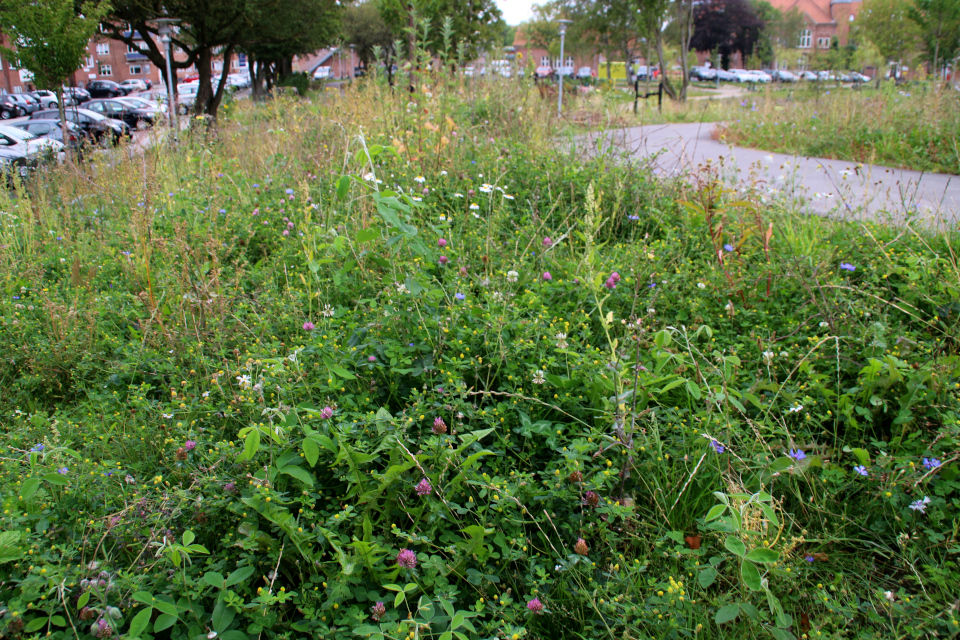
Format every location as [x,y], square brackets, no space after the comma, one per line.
[826,75]
[809,76]
[95,126]
[240,80]
[16,160]
[42,147]
[53,130]
[47,99]
[78,95]
[762,76]
[27,106]
[136,117]
[133,84]
[725,76]
[643,72]
[137,101]
[782,75]
[856,77]
[544,71]
[10,108]
[703,73]
[321,73]
[105,89]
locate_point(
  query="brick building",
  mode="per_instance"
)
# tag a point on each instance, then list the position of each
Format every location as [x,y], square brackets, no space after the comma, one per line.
[825,20]
[528,55]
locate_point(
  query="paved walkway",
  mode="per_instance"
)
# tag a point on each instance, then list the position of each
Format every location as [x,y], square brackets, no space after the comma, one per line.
[817,185]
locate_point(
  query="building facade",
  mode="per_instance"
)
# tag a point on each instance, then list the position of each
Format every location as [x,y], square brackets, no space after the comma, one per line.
[824,21]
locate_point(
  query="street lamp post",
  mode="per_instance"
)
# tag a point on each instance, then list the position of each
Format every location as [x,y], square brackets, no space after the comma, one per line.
[563,32]
[165,38]
[353,49]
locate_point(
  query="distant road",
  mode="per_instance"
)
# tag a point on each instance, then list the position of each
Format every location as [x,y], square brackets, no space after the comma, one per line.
[823,186]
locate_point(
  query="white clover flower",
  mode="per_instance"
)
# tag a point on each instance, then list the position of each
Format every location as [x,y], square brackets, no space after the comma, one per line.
[443,173]
[562,340]
[327,311]
[538,377]
[729,307]
[768,356]
[512,276]
[823,325]
[651,311]
[401,288]
[784,354]
[700,285]
[796,409]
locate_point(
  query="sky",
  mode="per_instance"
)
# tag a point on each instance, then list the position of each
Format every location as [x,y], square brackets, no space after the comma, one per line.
[516,11]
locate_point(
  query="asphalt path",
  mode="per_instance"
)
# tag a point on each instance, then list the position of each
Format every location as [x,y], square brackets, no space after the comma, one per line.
[816,185]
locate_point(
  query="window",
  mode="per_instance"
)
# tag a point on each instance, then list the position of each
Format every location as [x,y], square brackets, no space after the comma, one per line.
[569,62]
[106,70]
[103,49]
[806,39]
[218,65]
[88,63]
[823,43]
[135,70]
[133,49]
[545,61]
[18,89]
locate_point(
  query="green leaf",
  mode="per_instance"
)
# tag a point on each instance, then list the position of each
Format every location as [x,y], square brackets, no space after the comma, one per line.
[343,187]
[366,630]
[300,474]
[57,479]
[727,613]
[399,599]
[189,537]
[239,575]
[426,608]
[311,452]
[214,579]
[735,546]
[707,577]
[36,624]
[29,487]
[139,623]
[368,234]
[693,389]
[83,600]
[763,556]
[234,634]
[715,512]
[863,457]
[222,617]
[165,607]
[251,445]
[751,575]
[164,622]
[58,621]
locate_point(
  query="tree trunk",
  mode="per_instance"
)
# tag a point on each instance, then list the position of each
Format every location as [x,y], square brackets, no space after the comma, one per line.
[664,78]
[217,97]
[204,91]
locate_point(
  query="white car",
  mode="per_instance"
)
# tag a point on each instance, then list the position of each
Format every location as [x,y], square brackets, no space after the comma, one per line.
[34,144]
[762,77]
[322,73]
[742,75]
[132,85]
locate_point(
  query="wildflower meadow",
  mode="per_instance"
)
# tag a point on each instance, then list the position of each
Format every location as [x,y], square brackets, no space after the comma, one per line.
[395,365]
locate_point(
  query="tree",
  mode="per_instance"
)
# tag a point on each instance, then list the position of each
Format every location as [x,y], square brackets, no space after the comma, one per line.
[50,39]
[364,27]
[729,26]
[275,29]
[939,29]
[887,25]
[474,24]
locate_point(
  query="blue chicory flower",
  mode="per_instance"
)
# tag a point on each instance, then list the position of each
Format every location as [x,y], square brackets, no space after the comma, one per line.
[931,463]
[846,266]
[862,470]
[797,454]
[460,296]
[719,448]
[728,247]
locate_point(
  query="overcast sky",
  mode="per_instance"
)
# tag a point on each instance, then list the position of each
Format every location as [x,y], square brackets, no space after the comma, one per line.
[516,11]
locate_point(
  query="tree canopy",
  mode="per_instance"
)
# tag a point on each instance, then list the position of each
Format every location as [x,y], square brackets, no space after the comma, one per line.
[727,26]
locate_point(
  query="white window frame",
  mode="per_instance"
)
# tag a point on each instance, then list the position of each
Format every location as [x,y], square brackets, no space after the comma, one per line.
[544,61]
[106,70]
[806,39]
[823,43]
[136,69]
[103,48]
